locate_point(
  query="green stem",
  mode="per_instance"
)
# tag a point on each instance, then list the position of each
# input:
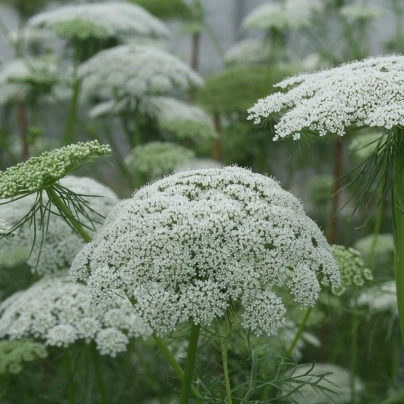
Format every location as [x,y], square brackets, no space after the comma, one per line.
[98,374]
[70,377]
[299,332]
[63,208]
[354,354]
[190,364]
[223,348]
[398,227]
[68,136]
[173,362]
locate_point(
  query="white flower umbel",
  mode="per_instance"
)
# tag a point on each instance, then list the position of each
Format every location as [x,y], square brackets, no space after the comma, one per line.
[59,312]
[382,249]
[20,78]
[286,14]
[380,298]
[100,20]
[339,382]
[248,52]
[61,243]
[158,158]
[361,12]
[186,246]
[183,120]
[367,93]
[134,72]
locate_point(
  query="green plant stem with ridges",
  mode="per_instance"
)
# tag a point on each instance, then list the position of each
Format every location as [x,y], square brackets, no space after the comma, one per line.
[398,225]
[299,332]
[174,364]
[98,374]
[53,196]
[69,135]
[223,348]
[190,364]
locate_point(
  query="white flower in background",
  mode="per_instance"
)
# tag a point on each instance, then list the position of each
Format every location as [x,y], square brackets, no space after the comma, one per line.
[31,35]
[361,12]
[100,20]
[197,164]
[158,158]
[61,242]
[287,14]
[366,93]
[248,52]
[59,312]
[20,78]
[339,382]
[352,268]
[134,72]
[4,227]
[363,146]
[383,248]
[186,246]
[380,298]
[183,120]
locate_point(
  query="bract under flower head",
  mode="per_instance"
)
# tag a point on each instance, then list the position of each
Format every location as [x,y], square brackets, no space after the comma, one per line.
[135,71]
[288,14]
[186,246]
[363,146]
[61,243]
[39,173]
[100,20]
[158,158]
[352,268]
[60,313]
[368,93]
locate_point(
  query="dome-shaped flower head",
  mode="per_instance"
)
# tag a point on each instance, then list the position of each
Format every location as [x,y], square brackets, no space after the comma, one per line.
[166,10]
[100,20]
[60,243]
[368,93]
[14,354]
[59,313]
[284,15]
[158,158]
[352,268]
[134,72]
[249,51]
[21,79]
[361,12]
[188,246]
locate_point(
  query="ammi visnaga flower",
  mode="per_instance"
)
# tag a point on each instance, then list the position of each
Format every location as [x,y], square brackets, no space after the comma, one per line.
[191,245]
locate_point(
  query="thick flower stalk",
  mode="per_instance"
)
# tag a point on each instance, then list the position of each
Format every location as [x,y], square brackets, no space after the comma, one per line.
[353,96]
[59,313]
[100,20]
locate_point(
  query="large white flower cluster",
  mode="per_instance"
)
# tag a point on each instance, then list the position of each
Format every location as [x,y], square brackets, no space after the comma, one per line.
[317,392]
[366,93]
[361,12]
[61,242]
[286,14]
[186,246]
[100,20]
[134,72]
[19,78]
[59,312]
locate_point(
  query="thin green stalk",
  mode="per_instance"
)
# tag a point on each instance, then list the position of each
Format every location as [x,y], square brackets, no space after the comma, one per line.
[223,348]
[69,135]
[173,363]
[136,129]
[398,227]
[53,196]
[69,377]
[190,364]
[98,374]
[354,353]
[299,332]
